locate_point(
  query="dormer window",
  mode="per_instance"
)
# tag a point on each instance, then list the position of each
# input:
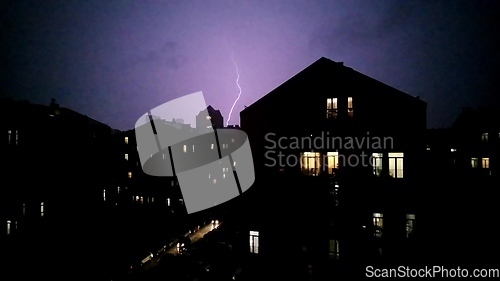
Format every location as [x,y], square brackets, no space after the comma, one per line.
[349,107]
[484,137]
[331,108]
[13,137]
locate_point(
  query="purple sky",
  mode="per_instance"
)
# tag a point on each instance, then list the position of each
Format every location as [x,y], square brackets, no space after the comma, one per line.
[115,60]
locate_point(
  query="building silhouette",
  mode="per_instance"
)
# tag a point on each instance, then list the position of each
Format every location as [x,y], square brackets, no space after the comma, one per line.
[460,200]
[469,147]
[339,154]
[44,147]
[209,118]
[147,179]
[56,165]
[346,175]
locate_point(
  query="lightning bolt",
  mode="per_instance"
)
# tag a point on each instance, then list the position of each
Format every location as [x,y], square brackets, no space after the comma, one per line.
[239,87]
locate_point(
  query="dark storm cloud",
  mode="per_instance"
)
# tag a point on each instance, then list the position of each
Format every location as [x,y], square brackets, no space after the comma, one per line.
[168,56]
[442,51]
[114,60]
[361,24]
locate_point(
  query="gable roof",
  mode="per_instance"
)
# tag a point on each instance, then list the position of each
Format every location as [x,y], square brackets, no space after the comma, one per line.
[322,65]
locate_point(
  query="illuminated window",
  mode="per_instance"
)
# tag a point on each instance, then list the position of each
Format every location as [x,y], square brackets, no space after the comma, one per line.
[168,202]
[8,227]
[396,164]
[104,194]
[453,150]
[208,117]
[349,107]
[42,209]
[215,181]
[310,163]
[16,137]
[254,242]
[410,225]
[126,156]
[377,163]
[193,148]
[184,148]
[331,108]
[334,249]
[332,161]
[126,140]
[129,175]
[212,146]
[474,162]
[485,163]
[428,148]
[378,223]
[484,137]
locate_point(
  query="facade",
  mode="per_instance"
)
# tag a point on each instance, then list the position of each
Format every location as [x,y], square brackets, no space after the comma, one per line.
[139,189]
[346,174]
[44,148]
[460,199]
[470,146]
[71,180]
[209,118]
[162,167]
[55,165]
[341,155]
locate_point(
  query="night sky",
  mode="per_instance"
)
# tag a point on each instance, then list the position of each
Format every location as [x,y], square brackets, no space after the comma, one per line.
[115,60]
